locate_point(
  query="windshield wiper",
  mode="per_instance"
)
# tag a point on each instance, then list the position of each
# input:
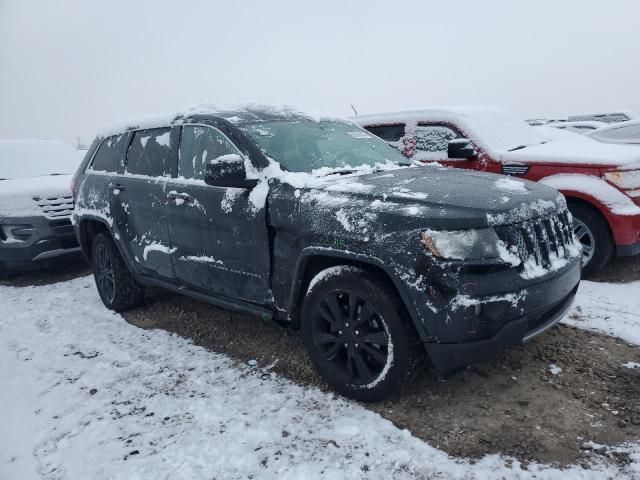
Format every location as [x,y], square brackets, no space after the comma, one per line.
[519,147]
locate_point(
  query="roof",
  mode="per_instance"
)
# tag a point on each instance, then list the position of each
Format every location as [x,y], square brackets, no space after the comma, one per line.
[425,114]
[237,114]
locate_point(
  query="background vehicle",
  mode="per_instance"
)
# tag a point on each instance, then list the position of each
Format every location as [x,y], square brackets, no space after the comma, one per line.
[607,117]
[35,202]
[579,127]
[601,182]
[621,133]
[560,135]
[324,227]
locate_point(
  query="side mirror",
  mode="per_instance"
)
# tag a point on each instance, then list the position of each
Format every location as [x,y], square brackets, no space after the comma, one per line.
[227,171]
[461,148]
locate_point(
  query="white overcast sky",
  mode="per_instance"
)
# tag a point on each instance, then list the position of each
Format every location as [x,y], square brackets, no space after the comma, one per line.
[68,67]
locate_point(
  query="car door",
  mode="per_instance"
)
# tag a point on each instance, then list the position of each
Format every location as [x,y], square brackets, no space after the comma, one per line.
[220,243]
[139,201]
[107,161]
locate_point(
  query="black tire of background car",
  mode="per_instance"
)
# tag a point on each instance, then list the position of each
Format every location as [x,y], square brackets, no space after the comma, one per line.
[599,229]
[127,293]
[370,289]
[4,272]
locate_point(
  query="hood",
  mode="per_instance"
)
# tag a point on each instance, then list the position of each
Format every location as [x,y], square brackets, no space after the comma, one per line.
[591,154]
[16,195]
[438,197]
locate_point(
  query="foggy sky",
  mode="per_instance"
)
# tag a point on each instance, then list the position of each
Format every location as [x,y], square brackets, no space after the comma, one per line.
[69,67]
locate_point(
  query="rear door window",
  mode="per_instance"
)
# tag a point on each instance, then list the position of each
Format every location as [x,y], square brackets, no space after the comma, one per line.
[199,144]
[150,153]
[110,154]
[390,133]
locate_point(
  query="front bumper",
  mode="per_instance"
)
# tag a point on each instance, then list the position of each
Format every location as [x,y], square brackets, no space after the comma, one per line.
[447,356]
[503,310]
[51,239]
[628,250]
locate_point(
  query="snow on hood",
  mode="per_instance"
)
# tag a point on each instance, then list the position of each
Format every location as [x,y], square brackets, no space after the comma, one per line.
[444,196]
[31,158]
[592,153]
[16,196]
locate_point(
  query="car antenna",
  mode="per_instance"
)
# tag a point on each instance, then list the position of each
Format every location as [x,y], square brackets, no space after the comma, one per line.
[354,109]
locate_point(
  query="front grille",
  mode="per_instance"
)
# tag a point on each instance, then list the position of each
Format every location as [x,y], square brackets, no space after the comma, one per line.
[55,207]
[538,239]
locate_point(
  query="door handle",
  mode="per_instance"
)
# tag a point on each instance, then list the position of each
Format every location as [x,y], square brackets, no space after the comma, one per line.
[116,187]
[180,198]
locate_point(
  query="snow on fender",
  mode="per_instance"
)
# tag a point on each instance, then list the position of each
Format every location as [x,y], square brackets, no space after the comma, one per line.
[610,197]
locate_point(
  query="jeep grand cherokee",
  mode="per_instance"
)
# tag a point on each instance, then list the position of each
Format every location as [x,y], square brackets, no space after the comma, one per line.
[318,224]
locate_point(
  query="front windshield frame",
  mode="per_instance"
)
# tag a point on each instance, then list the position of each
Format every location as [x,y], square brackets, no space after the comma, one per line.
[345,146]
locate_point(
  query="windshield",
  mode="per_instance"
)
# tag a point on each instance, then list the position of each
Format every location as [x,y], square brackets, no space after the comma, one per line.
[499,130]
[31,158]
[304,145]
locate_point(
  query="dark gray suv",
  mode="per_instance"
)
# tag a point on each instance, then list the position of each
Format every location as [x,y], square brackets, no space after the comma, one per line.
[324,227]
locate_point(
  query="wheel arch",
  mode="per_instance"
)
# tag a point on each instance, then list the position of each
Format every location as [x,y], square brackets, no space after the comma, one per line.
[88,228]
[314,260]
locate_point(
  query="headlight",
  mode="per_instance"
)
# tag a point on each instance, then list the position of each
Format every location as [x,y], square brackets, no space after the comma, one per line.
[462,244]
[628,180]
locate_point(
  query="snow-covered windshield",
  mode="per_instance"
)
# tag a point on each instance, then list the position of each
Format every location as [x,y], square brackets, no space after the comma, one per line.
[32,158]
[304,145]
[499,130]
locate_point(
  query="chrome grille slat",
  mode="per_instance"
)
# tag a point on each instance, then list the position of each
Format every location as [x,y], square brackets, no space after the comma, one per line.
[55,207]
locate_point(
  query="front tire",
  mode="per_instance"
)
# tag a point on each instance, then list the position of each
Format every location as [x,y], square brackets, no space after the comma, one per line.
[357,335]
[117,288]
[592,231]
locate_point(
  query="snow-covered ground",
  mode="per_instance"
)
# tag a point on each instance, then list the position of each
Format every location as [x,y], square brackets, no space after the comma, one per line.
[610,308]
[85,395]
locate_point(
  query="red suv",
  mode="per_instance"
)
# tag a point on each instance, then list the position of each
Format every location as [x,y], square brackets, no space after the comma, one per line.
[601,181]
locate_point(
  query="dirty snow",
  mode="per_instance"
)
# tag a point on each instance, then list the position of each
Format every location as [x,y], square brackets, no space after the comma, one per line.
[554,369]
[86,395]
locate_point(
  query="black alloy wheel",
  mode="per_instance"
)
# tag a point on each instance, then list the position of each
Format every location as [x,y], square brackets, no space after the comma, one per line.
[357,333]
[104,273]
[352,336]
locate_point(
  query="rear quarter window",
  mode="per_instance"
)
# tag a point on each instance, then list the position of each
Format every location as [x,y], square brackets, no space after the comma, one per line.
[150,153]
[110,154]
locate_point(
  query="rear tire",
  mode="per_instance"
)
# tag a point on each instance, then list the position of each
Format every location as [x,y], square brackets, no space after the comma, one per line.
[357,334]
[592,231]
[117,288]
